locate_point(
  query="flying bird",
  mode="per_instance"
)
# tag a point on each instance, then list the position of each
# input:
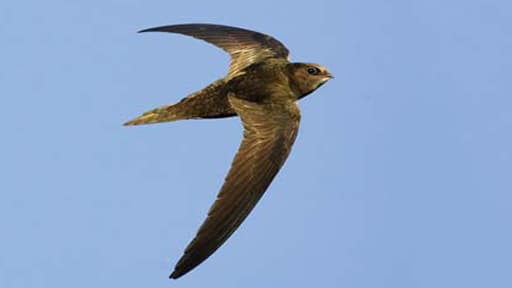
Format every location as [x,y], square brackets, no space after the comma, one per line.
[261,87]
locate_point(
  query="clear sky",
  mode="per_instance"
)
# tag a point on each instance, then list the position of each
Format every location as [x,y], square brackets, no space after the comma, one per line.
[401,175]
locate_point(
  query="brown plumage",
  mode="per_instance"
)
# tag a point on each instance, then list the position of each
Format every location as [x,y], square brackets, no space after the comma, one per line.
[261,87]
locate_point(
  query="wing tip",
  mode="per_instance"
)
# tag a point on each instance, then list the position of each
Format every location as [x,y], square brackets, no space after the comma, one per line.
[177,273]
[154,29]
[165,28]
[174,275]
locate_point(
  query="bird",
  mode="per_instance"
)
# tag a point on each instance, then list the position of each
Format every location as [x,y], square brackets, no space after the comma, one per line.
[262,87]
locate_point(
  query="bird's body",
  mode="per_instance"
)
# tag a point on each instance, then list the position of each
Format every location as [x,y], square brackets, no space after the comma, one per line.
[269,81]
[261,87]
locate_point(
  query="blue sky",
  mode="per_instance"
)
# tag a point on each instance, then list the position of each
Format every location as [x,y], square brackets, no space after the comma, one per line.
[400,176]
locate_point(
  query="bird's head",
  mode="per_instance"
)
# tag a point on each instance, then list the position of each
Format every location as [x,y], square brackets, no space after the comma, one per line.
[307,77]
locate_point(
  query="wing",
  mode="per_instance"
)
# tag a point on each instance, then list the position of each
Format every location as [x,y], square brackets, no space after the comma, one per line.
[269,132]
[245,46]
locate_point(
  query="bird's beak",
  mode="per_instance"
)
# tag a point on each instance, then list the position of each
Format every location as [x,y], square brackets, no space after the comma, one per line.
[328,76]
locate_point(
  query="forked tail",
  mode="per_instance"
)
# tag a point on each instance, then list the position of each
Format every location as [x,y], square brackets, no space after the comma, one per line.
[162,114]
[210,102]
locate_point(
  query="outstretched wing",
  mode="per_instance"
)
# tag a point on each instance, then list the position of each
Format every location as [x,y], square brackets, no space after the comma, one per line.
[245,46]
[269,132]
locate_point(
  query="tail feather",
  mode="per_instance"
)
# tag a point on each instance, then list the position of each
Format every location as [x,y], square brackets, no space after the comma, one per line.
[210,102]
[162,114]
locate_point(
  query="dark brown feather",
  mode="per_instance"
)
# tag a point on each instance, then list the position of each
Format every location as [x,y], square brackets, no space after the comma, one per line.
[245,47]
[269,132]
[210,102]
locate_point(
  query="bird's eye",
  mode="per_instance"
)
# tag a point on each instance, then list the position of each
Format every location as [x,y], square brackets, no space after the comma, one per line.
[313,70]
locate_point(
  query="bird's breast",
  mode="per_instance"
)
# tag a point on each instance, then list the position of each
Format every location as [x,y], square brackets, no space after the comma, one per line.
[264,84]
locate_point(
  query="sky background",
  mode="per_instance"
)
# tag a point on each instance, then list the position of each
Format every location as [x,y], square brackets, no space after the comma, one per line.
[400,176]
